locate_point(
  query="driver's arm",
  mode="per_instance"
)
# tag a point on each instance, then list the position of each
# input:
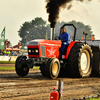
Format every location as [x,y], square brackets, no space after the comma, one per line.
[59,37]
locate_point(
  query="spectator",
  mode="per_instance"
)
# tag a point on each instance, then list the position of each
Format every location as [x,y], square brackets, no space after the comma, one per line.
[11,53]
[7,53]
[4,52]
[15,53]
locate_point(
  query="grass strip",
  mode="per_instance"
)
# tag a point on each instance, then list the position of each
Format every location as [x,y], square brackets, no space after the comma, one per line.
[93,99]
[7,62]
[7,68]
[13,68]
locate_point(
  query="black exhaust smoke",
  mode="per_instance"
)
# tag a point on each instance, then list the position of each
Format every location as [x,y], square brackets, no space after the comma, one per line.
[53,8]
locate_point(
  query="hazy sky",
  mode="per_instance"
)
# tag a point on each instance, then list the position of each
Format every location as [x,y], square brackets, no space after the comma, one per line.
[13,13]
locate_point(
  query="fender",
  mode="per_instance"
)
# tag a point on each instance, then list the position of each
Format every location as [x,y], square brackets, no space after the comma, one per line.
[70,46]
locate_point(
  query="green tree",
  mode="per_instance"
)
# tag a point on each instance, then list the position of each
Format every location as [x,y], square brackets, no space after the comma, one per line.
[36,29]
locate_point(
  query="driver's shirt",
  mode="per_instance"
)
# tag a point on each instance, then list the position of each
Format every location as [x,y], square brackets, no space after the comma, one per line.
[65,38]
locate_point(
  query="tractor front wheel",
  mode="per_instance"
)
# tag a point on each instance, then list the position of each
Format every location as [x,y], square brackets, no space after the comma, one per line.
[23,69]
[52,68]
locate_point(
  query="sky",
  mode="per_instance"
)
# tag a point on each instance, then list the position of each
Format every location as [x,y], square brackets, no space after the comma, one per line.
[13,13]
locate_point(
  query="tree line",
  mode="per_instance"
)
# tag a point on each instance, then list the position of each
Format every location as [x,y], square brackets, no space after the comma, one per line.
[40,29]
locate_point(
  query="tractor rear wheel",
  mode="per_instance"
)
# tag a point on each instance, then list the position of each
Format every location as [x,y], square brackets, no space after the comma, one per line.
[42,68]
[23,69]
[80,60]
[52,68]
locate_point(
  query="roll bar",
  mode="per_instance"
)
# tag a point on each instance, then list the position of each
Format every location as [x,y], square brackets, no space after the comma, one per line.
[70,25]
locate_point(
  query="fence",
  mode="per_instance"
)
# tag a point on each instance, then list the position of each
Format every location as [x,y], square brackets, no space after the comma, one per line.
[7,58]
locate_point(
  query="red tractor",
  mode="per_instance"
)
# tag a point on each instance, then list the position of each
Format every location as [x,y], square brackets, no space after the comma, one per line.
[76,61]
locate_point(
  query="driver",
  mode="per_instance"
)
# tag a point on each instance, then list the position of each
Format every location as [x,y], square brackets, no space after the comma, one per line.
[65,38]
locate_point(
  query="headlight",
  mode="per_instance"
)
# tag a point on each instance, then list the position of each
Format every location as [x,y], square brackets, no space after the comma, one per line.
[29,50]
[36,51]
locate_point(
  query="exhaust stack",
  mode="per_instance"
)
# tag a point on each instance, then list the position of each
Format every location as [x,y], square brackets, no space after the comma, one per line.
[52,34]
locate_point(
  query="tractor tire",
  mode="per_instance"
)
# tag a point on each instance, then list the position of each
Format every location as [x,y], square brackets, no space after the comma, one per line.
[96,64]
[23,70]
[80,60]
[52,68]
[42,68]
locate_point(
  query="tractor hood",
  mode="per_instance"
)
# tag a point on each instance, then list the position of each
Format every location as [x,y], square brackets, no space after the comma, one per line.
[44,48]
[43,42]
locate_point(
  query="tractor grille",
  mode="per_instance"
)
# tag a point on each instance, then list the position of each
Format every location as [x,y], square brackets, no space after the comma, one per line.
[33,51]
[43,52]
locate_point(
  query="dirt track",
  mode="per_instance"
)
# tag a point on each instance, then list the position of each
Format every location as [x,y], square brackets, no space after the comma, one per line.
[36,87]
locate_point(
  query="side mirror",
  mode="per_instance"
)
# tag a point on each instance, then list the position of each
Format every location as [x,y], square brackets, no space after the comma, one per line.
[84,33]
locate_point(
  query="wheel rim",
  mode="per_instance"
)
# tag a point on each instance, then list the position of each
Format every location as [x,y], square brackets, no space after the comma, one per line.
[54,69]
[85,61]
